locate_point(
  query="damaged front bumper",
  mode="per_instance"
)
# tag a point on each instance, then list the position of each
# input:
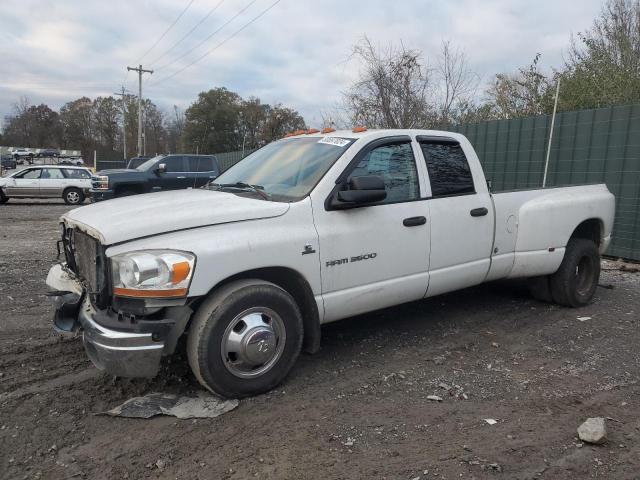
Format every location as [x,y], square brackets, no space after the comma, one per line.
[121,352]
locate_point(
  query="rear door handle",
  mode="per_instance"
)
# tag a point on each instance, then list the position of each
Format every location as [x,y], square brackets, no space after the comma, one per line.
[479,212]
[181,177]
[414,221]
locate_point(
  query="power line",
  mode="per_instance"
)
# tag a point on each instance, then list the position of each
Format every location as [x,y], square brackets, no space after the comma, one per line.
[189,32]
[219,44]
[166,31]
[209,37]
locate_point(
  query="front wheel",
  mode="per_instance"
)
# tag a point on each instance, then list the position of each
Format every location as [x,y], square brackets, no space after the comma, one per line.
[575,282]
[3,198]
[73,196]
[245,338]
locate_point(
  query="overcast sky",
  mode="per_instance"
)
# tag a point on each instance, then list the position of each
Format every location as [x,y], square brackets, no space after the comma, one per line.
[296,53]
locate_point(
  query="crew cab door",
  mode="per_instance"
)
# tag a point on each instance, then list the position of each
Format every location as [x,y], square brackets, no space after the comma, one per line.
[175,175]
[375,255]
[462,216]
[25,184]
[202,169]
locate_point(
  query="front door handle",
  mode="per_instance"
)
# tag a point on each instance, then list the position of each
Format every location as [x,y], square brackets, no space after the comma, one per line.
[479,212]
[181,177]
[414,221]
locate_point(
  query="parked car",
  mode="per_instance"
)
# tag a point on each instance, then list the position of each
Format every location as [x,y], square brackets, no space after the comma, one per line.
[308,230]
[47,181]
[49,153]
[21,155]
[77,161]
[164,172]
[8,162]
[135,162]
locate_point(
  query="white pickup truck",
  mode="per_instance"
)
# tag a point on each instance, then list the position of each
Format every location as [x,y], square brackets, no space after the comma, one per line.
[310,229]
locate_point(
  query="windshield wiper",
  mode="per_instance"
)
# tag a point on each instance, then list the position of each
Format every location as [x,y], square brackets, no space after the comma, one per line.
[259,189]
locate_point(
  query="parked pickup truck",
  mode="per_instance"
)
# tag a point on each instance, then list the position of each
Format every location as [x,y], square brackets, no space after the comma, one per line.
[164,172]
[310,229]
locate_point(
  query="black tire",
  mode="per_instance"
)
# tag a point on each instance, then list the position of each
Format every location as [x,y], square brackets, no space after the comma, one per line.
[575,282]
[3,198]
[540,288]
[73,196]
[211,325]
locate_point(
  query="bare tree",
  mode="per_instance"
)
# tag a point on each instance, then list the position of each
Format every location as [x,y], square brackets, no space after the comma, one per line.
[393,88]
[525,93]
[458,83]
[334,118]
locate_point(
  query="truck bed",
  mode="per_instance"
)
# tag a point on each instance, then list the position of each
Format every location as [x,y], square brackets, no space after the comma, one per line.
[532,226]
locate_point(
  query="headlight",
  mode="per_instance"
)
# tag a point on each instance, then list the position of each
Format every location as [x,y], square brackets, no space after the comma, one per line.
[100,182]
[152,273]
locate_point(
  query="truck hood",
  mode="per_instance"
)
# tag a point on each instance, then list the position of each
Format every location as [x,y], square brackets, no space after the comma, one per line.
[128,218]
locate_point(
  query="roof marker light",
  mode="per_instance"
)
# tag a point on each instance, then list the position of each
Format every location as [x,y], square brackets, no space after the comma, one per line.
[328,130]
[359,129]
[312,130]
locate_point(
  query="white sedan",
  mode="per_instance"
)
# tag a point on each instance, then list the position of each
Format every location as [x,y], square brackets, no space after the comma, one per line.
[47,181]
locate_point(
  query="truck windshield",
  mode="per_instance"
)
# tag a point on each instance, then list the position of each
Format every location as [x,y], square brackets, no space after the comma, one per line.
[149,163]
[285,170]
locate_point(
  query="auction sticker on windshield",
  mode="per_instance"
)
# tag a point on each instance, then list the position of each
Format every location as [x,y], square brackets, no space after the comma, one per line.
[335,141]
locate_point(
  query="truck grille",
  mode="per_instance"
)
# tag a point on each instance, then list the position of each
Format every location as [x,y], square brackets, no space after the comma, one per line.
[85,257]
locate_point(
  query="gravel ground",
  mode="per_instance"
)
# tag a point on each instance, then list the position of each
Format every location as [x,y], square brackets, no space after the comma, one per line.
[360,408]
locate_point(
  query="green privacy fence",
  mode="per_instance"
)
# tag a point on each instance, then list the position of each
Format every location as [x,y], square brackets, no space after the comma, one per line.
[589,146]
[229,159]
[225,160]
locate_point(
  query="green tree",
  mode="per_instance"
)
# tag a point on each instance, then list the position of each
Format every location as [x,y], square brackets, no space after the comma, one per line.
[279,121]
[212,122]
[604,62]
[253,116]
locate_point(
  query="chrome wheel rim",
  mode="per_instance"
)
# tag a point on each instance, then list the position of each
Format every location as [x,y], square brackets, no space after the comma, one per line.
[253,342]
[73,197]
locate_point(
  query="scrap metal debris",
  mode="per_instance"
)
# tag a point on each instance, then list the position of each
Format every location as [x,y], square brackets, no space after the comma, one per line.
[202,406]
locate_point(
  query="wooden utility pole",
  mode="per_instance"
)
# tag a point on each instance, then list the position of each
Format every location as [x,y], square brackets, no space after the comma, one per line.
[140,71]
[124,124]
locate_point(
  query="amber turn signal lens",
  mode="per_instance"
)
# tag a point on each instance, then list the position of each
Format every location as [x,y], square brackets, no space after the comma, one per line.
[131,292]
[180,272]
[359,129]
[328,130]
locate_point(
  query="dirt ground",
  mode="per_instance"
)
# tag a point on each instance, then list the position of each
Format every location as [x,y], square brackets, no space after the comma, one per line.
[357,409]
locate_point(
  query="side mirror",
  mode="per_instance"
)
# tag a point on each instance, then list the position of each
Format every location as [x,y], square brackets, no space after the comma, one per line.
[162,168]
[364,189]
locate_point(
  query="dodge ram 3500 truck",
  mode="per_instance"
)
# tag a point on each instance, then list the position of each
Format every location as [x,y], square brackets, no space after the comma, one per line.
[310,229]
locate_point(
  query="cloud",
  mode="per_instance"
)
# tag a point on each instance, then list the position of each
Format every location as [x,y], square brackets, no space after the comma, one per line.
[296,54]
